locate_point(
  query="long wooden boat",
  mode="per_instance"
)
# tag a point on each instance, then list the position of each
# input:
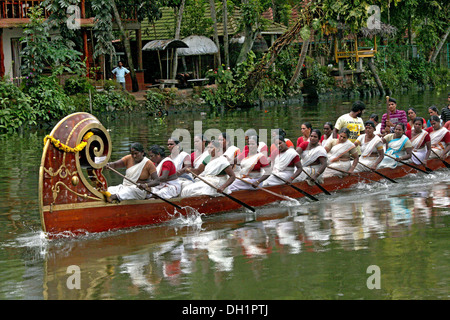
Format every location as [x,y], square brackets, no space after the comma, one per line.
[71,180]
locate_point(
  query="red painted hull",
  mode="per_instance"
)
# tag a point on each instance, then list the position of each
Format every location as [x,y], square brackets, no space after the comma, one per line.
[89,217]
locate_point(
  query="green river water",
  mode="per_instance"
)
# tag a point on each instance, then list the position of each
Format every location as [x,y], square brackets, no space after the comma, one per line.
[325,250]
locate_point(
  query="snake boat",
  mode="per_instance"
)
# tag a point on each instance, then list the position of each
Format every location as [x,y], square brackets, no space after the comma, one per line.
[71,181]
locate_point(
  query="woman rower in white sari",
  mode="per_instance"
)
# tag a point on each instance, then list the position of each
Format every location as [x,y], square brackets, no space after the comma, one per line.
[397,146]
[200,150]
[252,164]
[139,169]
[340,151]
[372,150]
[420,141]
[287,165]
[314,158]
[170,186]
[440,138]
[215,169]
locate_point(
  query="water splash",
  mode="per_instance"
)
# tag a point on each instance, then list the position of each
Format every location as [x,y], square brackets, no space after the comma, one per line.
[192,217]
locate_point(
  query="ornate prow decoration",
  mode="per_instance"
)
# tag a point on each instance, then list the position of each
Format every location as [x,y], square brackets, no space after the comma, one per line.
[71,167]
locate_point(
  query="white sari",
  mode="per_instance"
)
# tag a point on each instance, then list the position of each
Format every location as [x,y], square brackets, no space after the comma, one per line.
[419,152]
[334,159]
[437,145]
[211,175]
[394,149]
[308,157]
[128,190]
[247,173]
[167,189]
[281,167]
[367,150]
[198,160]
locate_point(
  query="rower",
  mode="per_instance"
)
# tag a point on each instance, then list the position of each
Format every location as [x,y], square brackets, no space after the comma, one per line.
[170,186]
[262,147]
[229,151]
[306,132]
[313,157]
[340,152]
[440,138]
[200,150]
[327,133]
[397,145]
[252,164]
[181,159]
[215,169]
[372,151]
[139,170]
[420,140]
[274,148]
[287,165]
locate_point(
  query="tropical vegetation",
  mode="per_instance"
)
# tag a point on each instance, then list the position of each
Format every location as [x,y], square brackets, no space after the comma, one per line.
[405,58]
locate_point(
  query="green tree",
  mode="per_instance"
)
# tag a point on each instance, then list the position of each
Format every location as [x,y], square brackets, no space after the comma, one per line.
[44,51]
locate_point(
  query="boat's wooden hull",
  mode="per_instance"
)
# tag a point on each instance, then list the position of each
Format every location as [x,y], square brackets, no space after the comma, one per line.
[89,217]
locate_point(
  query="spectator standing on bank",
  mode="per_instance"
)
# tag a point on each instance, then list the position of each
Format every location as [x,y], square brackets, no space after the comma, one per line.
[120,71]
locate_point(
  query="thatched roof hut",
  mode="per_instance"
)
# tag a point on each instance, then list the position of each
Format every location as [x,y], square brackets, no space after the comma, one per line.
[197,46]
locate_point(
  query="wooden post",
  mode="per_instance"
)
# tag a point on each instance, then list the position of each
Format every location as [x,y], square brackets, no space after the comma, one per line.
[139,49]
[2,56]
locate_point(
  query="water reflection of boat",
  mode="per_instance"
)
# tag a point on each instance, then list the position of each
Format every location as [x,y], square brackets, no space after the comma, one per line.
[69,184]
[150,260]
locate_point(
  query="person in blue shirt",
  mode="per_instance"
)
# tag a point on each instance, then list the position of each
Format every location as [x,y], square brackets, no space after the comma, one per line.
[120,73]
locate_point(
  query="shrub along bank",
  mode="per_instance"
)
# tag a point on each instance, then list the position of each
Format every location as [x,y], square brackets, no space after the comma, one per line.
[47,101]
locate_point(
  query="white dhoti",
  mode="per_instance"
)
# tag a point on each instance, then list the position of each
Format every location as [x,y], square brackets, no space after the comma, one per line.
[343,165]
[310,170]
[272,180]
[310,156]
[367,161]
[437,144]
[241,185]
[213,173]
[199,188]
[167,190]
[130,192]
[334,159]
[418,156]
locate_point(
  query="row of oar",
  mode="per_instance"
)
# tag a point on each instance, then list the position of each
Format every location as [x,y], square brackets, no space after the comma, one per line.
[310,196]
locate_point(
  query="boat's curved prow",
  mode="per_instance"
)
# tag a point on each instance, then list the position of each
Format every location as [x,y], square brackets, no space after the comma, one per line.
[71,166]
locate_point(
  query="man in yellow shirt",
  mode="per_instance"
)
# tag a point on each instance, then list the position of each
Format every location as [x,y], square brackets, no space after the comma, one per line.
[352,121]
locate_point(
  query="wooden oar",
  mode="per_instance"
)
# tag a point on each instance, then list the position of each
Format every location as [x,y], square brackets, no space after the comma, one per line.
[377,172]
[445,162]
[409,165]
[225,194]
[153,194]
[317,184]
[263,189]
[353,174]
[296,188]
[426,168]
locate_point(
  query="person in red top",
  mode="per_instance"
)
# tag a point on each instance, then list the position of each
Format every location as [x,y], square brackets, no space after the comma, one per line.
[411,116]
[420,140]
[170,186]
[440,138]
[306,132]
